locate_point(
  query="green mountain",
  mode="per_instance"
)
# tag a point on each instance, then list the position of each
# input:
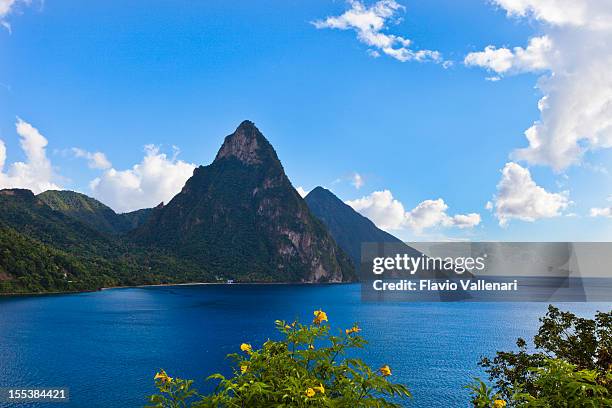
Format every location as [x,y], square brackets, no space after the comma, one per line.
[44,250]
[92,212]
[241,218]
[135,219]
[349,228]
[238,218]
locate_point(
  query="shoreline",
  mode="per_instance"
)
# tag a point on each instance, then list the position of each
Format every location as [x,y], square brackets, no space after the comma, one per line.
[153,285]
[225,284]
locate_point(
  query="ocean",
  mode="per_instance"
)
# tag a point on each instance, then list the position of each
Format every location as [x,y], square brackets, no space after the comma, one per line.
[106,346]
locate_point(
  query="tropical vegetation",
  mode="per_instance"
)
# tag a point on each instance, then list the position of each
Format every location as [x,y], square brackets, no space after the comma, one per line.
[310,366]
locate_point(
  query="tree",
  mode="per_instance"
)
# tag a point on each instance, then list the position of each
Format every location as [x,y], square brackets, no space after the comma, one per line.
[570,366]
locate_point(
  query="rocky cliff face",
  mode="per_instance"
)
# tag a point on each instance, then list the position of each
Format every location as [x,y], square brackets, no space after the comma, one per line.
[241,218]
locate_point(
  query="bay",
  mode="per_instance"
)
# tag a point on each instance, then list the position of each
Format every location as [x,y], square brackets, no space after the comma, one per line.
[106,346]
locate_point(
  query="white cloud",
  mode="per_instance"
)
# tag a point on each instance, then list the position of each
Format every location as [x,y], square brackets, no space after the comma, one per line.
[601,212]
[380,207]
[6,8]
[302,192]
[576,53]
[155,179]
[432,213]
[503,60]
[389,214]
[369,24]
[578,13]
[519,197]
[466,220]
[2,155]
[95,160]
[36,173]
[357,181]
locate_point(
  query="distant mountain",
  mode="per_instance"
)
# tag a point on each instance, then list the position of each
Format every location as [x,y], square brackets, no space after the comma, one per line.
[349,228]
[92,212]
[241,218]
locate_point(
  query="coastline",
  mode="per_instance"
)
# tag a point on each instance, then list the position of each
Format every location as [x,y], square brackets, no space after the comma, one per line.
[152,285]
[224,284]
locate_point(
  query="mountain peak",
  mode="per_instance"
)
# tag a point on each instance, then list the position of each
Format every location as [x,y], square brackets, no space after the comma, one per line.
[247,125]
[241,218]
[246,144]
[322,192]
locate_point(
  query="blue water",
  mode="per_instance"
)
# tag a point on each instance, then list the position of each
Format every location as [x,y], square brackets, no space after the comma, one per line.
[106,346]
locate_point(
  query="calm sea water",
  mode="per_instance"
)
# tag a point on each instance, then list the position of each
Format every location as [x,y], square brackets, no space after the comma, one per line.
[106,346]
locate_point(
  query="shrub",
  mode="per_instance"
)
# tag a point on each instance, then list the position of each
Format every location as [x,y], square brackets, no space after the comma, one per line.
[570,366]
[557,384]
[308,367]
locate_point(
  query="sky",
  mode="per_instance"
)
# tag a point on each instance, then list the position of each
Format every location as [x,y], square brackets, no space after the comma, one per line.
[438,120]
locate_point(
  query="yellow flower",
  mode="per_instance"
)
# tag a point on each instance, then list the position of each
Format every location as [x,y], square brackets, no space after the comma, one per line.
[246,348]
[244,368]
[320,388]
[320,317]
[310,347]
[499,403]
[385,370]
[310,392]
[162,376]
[287,327]
[354,329]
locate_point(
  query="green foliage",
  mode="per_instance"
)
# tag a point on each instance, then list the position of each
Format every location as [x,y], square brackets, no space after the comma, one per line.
[307,368]
[92,212]
[484,396]
[570,366]
[174,392]
[29,266]
[44,250]
[557,384]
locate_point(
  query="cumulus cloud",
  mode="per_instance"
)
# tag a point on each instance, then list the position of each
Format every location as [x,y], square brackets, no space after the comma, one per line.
[36,173]
[576,54]
[388,213]
[370,24]
[95,160]
[577,13]
[432,213]
[380,207]
[519,197]
[535,57]
[155,179]
[357,181]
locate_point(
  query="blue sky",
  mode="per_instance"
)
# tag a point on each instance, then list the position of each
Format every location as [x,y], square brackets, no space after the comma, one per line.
[112,77]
